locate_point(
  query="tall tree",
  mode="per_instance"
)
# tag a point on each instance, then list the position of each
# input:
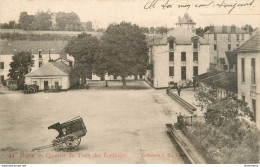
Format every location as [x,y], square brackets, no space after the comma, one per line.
[68,21]
[42,21]
[20,66]
[248,28]
[125,50]
[84,48]
[26,21]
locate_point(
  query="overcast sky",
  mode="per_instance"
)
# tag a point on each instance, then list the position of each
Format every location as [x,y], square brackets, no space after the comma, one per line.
[104,12]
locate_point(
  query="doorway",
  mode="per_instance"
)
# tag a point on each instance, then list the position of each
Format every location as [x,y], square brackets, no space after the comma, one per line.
[46,85]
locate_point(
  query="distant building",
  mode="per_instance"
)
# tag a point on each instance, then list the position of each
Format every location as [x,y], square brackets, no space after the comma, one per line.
[222,39]
[248,68]
[42,51]
[54,74]
[186,22]
[177,56]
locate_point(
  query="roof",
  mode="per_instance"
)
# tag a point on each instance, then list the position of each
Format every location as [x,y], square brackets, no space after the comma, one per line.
[9,47]
[51,69]
[221,79]
[182,37]
[186,19]
[251,45]
[64,58]
[225,30]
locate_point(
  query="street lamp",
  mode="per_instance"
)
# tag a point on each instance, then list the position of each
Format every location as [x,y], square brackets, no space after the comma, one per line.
[50,54]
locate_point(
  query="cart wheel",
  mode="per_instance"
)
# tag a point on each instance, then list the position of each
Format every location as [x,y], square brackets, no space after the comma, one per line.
[72,141]
[31,90]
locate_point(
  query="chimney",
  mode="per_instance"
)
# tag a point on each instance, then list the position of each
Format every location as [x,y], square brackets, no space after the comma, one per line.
[233,29]
[224,29]
[211,29]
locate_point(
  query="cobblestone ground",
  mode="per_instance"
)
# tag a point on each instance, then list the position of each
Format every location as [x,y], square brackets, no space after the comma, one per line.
[124,126]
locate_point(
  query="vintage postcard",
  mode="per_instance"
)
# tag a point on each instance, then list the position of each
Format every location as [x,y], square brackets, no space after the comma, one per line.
[130,82]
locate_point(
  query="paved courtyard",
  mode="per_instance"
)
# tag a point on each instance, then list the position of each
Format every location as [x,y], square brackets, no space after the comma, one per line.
[124,126]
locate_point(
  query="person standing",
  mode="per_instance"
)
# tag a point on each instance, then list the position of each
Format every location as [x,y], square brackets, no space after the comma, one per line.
[179,90]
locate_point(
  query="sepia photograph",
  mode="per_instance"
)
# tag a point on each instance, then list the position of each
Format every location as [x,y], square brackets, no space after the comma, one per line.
[130,82]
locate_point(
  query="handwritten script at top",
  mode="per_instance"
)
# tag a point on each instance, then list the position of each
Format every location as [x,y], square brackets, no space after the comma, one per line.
[225,4]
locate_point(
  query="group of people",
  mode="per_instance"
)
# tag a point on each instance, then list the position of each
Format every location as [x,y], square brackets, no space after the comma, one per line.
[180,86]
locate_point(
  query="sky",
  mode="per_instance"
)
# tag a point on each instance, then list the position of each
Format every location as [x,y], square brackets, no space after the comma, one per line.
[104,12]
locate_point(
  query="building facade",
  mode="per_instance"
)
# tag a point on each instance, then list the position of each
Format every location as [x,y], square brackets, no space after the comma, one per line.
[248,62]
[177,56]
[222,39]
[42,52]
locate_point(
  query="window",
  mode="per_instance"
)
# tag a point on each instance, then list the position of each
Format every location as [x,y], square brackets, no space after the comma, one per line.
[243,69]
[40,63]
[243,98]
[70,64]
[183,56]
[171,44]
[2,78]
[225,67]
[171,56]
[229,46]
[229,37]
[171,71]
[243,37]
[40,54]
[222,60]
[183,73]
[33,63]
[253,71]
[254,108]
[195,43]
[195,56]
[215,46]
[195,71]
[2,65]
[32,56]
[237,45]
[237,37]
[215,36]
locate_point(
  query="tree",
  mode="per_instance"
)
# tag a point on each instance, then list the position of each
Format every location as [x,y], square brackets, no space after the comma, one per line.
[161,30]
[125,50]
[26,21]
[219,111]
[20,66]
[248,28]
[84,48]
[68,21]
[42,21]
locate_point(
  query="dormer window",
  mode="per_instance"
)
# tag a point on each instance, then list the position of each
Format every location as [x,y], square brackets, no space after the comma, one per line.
[195,42]
[171,42]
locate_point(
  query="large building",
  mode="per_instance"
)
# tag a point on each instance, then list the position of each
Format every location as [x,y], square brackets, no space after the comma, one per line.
[222,39]
[177,56]
[248,62]
[42,51]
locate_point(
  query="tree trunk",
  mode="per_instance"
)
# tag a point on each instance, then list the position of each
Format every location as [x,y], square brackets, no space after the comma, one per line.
[124,81]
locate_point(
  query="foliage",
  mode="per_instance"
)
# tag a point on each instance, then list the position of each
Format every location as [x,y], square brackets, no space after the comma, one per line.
[248,27]
[220,110]
[20,66]
[26,21]
[34,37]
[84,48]
[201,31]
[125,50]
[10,25]
[42,21]
[68,21]
[224,148]
[227,133]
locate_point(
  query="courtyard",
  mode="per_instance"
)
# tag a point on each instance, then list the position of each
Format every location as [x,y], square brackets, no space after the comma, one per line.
[124,125]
